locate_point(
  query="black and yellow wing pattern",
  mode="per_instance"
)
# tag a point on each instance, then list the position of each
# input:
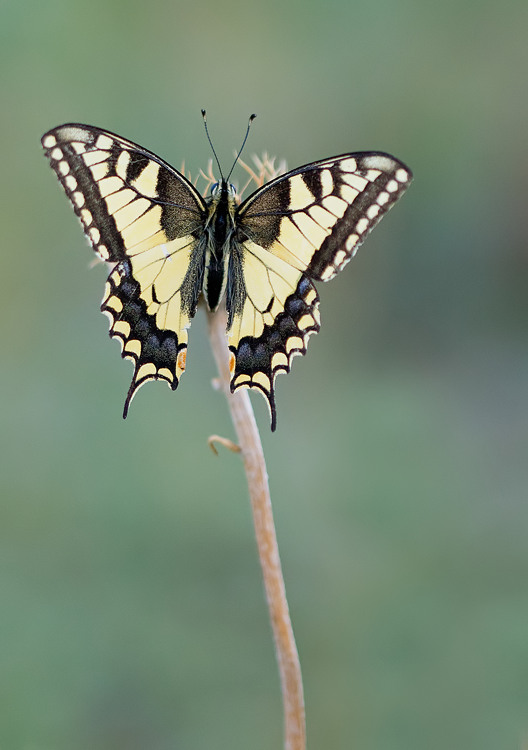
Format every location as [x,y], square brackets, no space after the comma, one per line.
[167,246]
[145,218]
[302,227]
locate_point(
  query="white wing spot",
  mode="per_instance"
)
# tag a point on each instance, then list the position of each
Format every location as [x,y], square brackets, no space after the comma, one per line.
[78,199]
[63,167]
[392,186]
[76,134]
[373,211]
[71,182]
[86,216]
[310,296]
[340,257]
[95,235]
[383,198]
[49,141]
[378,161]
[348,165]
[104,142]
[122,164]
[328,273]
[327,183]
[103,252]
[79,148]
[402,175]
[56,154]
[362,225]
[351,242]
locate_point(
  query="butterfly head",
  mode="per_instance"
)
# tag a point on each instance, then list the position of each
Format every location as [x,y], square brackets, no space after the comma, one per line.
[217,188]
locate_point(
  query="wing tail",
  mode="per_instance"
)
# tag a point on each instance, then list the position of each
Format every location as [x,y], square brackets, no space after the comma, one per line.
[256,360]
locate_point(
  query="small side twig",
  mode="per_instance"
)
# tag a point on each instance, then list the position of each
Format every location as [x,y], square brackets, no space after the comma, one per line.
[212,440]
[257,479]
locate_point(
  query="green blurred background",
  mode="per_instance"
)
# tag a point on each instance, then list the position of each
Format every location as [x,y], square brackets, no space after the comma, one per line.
[133,612]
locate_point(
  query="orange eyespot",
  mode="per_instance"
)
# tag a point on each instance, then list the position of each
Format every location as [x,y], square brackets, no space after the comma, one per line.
[182,358]
[232,362]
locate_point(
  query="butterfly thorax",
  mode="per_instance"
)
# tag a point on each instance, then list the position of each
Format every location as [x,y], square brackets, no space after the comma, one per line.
[219,232]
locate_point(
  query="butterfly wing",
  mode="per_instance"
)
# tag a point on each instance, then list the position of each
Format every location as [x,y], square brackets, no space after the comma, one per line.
[146,219]
[304,226]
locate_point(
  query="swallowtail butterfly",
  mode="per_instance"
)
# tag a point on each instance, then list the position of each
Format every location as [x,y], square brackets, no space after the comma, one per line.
[167,246]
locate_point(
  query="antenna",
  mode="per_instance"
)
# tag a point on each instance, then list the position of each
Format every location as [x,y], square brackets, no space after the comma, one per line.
[211,144]
[251,118]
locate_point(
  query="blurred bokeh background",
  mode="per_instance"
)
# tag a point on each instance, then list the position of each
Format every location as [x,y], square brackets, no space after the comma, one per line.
[132,609]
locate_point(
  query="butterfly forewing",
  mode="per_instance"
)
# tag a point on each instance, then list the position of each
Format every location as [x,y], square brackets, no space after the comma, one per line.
[303,226]
[146,219]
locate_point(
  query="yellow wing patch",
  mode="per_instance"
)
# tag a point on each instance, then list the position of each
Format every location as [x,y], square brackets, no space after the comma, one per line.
[300,227]
[280,312]
[143,217]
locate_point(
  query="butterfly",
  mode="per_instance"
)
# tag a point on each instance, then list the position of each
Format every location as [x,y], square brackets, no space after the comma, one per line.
[168,246]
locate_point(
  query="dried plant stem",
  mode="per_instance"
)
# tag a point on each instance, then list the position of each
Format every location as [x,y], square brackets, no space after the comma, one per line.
[257,478]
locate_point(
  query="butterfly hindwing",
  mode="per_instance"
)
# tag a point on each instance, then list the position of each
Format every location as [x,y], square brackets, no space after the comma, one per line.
[146,219]
[305,225]
[276,312]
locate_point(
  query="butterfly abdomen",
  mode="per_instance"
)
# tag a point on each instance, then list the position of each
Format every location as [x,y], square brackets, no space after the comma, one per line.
[220,230]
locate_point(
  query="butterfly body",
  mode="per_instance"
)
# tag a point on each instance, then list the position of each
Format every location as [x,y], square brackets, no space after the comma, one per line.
[220,229]
[168,246]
